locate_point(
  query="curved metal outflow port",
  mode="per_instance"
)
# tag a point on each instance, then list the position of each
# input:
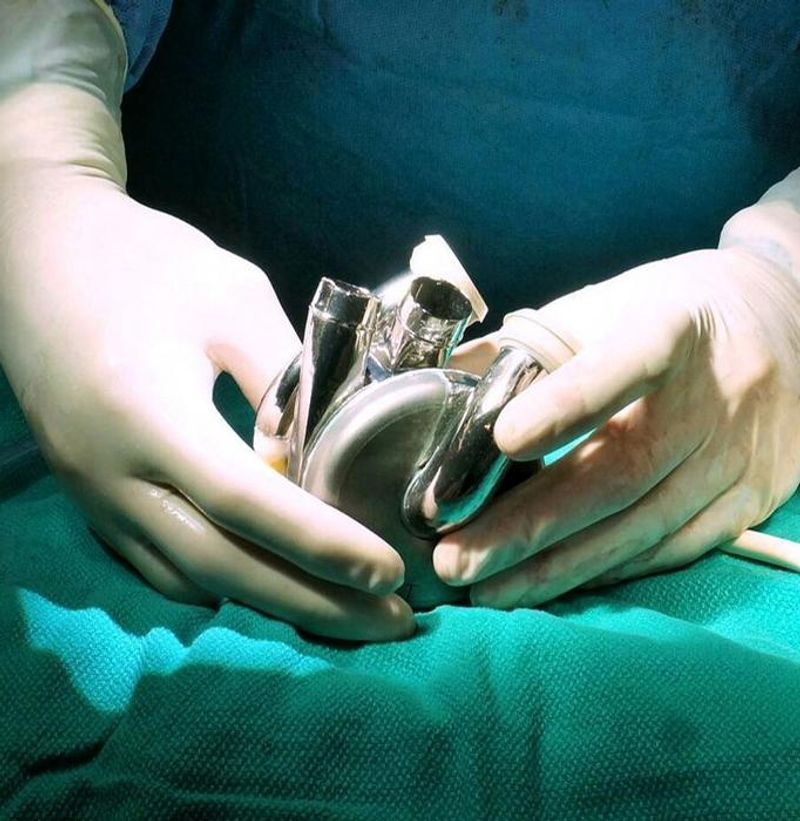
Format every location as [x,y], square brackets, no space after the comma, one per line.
[464,467]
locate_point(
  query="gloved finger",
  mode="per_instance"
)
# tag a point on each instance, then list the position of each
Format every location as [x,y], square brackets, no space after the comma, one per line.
[720,523]
[154,567]
[596,383]
[255,338]
[604,475]
[222,476]
[615,540]
[231,568]
[476,355]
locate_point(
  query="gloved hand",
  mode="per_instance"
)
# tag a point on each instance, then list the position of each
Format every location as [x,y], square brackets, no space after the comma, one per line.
[115,321]
[689,370]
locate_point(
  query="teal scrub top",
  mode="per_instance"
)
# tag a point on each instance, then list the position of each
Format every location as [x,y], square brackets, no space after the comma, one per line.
[553,143]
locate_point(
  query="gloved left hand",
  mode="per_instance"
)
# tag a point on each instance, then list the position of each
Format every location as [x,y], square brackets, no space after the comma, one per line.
[115,320]
[688,371]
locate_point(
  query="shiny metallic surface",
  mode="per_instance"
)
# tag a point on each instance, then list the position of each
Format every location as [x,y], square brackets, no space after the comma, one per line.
[392,291]
[422,332]
[336,342]
[464,467]
[275,416]
[363,455]
[432,258]
[276,411]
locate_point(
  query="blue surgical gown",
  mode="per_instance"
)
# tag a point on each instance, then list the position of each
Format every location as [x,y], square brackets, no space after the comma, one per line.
[553,143]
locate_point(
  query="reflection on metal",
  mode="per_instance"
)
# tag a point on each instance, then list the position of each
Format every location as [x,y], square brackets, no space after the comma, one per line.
[422,331]
[334,360]
[276,411]
[464,468]
[275,416]
[361,458]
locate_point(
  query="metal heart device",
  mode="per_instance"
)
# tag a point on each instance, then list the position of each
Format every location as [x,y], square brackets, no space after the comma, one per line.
[370,419]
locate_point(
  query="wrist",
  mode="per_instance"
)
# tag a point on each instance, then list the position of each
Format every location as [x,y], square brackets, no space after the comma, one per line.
[62,73]
[49,130]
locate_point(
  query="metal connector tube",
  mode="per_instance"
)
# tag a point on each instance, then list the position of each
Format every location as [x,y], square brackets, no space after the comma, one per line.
[423,330]
[465,466]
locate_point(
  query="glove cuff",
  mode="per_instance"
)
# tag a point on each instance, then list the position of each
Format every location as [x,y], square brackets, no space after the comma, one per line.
[62,74]
[70,42]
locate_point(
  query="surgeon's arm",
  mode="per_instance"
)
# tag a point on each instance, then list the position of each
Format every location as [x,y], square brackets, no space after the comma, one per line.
[689,375]
[116,319]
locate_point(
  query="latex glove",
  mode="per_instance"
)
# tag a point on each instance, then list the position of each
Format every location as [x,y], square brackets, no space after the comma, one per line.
[115,320]
[689,370]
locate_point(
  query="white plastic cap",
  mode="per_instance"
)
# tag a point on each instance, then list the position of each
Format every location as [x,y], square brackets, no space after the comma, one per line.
[434,258]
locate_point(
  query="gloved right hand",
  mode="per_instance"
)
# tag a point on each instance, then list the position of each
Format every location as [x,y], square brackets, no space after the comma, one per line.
[687,382]
[115,320]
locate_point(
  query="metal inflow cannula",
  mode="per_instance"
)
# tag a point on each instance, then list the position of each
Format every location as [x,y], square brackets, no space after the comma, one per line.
[336,342]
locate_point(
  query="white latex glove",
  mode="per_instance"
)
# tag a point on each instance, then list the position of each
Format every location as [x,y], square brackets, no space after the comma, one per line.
[115,320]
[689,370]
